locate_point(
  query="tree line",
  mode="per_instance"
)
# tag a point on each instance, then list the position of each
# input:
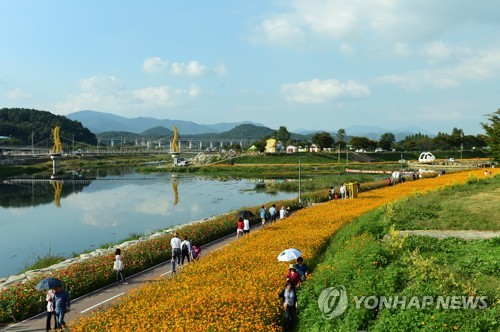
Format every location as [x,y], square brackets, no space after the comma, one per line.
[22,126]
[456,140]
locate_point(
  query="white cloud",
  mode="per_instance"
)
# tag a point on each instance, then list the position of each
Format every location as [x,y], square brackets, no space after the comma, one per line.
[321,91]
[154,65]
[373,20]
[347,49]
[191,68]
[101,84]
[279,30]
[439,51]
[194,68]
[110,94]
[18,93]
[194,91]
[402,49]
[417,80]
[161,96]
[481,66]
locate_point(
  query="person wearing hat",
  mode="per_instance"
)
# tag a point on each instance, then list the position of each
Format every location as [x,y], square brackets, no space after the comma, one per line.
[175,243]
[293,276]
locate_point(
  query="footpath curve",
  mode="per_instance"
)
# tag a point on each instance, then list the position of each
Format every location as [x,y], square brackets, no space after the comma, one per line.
[106,296]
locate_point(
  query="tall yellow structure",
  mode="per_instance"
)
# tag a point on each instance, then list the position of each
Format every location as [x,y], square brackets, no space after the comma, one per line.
[175,145]
[55,153]
[57,148]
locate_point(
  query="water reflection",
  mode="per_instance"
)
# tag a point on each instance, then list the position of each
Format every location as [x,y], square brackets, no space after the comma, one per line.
[57,184]
[73,216]
[20,193]
[175,184]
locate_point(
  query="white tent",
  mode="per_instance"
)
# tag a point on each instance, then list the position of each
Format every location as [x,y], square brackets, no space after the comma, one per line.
[291,149]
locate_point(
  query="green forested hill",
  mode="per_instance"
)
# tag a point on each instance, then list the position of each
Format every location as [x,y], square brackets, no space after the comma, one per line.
[246,131]
[158,131]
[20,123]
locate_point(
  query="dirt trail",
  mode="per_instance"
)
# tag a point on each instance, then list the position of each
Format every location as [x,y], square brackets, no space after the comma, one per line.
[462,234]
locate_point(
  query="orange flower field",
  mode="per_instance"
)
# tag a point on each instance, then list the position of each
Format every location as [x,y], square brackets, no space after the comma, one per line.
[235,288]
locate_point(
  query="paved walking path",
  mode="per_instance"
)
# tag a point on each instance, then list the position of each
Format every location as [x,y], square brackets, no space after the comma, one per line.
[463,234]
[104,297]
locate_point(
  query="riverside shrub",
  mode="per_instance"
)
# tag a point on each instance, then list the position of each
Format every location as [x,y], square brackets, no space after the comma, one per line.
[235,288]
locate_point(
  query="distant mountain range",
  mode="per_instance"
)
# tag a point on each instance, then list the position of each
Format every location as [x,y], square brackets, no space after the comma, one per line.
[99,122]
[111,125]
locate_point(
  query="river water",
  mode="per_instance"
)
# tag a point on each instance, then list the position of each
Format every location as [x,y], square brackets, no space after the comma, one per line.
[38,218]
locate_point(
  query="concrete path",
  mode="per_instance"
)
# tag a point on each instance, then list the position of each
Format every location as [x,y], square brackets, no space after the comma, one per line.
[462,234]
[104,297]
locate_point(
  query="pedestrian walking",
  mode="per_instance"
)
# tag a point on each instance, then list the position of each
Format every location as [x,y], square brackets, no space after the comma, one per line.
[290,304]
[302,268]
[293,276]
[50,309]
[175,243]
[61,306]
[273,213]
[263,214]
[185,250]
[282,212]
[246,226]
[342,192]
[118,266]
[240,227]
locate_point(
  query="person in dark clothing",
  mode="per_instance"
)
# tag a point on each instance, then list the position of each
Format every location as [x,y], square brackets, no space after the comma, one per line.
[290,304]
[185,250]
[61,306]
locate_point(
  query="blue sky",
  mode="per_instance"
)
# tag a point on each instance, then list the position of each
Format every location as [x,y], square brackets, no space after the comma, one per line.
[304,64]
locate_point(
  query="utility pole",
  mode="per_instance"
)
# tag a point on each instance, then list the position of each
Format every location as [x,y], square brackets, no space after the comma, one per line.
[347,155]
[300,197]
[461,143]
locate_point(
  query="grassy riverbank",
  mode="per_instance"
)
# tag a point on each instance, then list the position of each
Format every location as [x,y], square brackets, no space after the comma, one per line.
[360,259]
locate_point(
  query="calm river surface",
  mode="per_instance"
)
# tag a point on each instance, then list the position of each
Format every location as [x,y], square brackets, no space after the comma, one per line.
[35,221]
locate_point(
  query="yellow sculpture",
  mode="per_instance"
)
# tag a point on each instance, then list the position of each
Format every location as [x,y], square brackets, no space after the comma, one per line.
[57,192]
[271,145]
[175,184]
[57,142]
[175,147]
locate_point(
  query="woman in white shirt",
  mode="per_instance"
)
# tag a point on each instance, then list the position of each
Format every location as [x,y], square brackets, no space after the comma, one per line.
[118,267]
[246,226]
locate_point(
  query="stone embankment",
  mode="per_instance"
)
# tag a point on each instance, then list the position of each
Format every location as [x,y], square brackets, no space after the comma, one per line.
[209,158]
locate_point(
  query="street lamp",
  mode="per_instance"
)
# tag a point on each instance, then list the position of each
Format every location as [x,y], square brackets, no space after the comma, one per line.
[347,154]
[461,143]
[300,180]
